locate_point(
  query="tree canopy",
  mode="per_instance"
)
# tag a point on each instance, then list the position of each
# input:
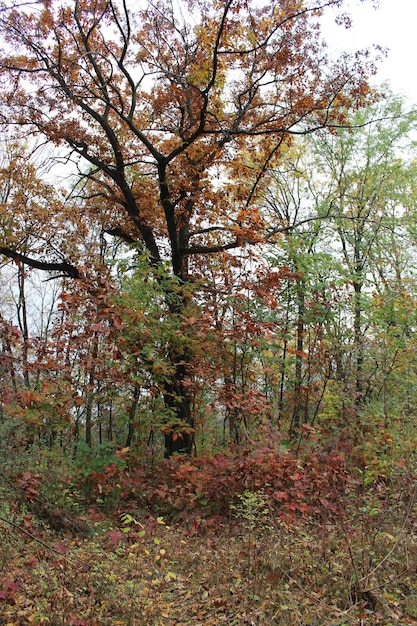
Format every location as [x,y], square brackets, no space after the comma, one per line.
[179,108]
[173,114]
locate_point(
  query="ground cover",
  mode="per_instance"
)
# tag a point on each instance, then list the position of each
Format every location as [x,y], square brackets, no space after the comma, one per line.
[96,553]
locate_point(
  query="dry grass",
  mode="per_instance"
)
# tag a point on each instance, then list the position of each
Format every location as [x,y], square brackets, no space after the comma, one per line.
[359,570]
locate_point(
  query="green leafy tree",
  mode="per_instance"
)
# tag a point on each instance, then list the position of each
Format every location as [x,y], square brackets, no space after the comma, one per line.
[369,174]
[343,205]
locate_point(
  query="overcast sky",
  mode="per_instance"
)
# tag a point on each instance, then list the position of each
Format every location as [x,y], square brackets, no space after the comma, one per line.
[393,25]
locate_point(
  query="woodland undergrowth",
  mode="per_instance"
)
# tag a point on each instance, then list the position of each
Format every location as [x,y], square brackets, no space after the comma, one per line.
[262,536]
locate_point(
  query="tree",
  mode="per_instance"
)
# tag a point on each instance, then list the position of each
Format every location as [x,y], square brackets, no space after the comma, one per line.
[343,203]
[179,109]
[298,230]
[370,191]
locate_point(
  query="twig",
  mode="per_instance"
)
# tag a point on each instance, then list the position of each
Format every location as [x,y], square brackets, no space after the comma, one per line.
[386,557]
[315,598]
[26,532]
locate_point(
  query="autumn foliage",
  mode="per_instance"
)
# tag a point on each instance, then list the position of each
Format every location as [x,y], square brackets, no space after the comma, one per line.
[207,319]
[207,488]
[173,114]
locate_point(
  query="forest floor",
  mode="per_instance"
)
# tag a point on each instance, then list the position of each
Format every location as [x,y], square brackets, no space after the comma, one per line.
[288,576]
[88,566]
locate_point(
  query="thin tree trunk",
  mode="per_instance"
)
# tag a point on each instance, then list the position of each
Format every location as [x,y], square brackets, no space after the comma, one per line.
[132,414]
[90,393]
[298,417]
[23,324]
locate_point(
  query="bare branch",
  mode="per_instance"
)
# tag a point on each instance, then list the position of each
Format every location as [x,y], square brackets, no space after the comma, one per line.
[64,267]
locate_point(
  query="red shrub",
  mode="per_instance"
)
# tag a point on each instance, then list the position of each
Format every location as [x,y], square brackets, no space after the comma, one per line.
[205,487]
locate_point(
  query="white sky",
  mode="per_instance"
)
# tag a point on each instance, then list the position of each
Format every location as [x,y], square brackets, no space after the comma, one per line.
[393,25]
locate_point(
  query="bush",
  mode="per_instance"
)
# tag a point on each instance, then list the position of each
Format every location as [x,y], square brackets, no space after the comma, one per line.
[209,487]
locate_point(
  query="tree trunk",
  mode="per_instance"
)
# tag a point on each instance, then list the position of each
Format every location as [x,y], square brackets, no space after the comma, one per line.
[89,396]
[132,413]
[179,437]
[358,345]
[298,417]
[357,321]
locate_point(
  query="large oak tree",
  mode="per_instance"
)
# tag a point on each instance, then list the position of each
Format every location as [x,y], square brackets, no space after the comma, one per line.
[174,111]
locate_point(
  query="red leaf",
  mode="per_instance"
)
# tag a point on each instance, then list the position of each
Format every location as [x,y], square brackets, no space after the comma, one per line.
[281,495]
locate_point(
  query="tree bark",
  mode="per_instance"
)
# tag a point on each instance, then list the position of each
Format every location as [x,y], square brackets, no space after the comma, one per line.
[298,417]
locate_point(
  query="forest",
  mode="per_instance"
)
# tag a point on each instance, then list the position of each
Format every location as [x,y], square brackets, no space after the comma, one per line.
[208,323]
